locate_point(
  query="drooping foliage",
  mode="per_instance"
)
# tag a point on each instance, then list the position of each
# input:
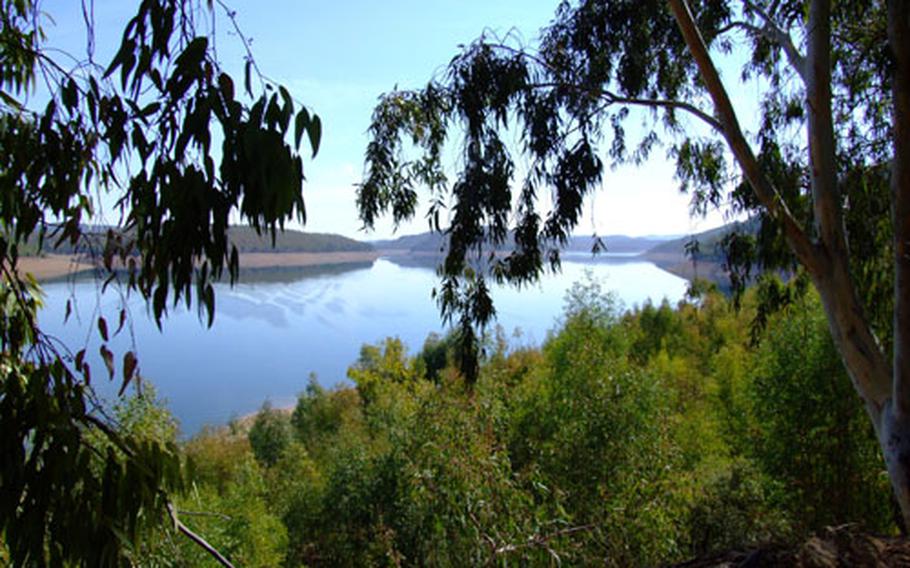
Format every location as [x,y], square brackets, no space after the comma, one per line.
[611,82]
[161,132]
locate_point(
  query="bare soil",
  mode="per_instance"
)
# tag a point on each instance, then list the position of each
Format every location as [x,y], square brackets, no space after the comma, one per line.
[52,266]
[835,547]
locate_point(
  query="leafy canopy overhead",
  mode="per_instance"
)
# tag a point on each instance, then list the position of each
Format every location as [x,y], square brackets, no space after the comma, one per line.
[182,149]
[571,98]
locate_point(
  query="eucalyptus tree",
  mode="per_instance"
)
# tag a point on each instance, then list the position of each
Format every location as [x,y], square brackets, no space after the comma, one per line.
[826,171]
[180,148]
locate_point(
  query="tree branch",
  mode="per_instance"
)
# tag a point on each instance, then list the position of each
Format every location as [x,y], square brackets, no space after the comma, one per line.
[541,540]
[612,98]
[827,266]
[201,542]
[660,103]
[766,193]
[198,539]
[776,34]
[221,516]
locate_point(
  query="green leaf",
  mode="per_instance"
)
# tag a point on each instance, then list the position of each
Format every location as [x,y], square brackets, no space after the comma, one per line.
[129,368]
[69,94]
[10,101]
[301,123]
[210,304]
[159,299]
[108,359]
[314,131]
[227,87]
[125,47]
[150,109]
[247,74]
[102,328]
[129,60]
[287,109]
[194,52]
[122,321]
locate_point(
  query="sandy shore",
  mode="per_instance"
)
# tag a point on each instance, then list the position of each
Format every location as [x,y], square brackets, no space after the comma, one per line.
[53,266]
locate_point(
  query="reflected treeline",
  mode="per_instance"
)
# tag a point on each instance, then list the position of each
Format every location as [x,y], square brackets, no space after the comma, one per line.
[711,271]
[289,274]
[267,274]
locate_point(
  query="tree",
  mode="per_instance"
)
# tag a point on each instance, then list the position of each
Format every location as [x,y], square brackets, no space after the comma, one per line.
[270,435]
[827,173]
[163,131]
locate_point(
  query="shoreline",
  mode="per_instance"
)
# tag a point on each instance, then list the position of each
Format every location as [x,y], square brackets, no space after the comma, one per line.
[57,266]
[53,266]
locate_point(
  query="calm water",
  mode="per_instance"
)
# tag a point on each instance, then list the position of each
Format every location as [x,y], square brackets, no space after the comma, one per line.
[270,333]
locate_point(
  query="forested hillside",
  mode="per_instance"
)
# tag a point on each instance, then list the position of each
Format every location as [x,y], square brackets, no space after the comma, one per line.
[708,244]
[247,240]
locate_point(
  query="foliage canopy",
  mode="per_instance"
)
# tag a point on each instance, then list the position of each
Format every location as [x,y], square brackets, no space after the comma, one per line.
[180,149]
[826,172]
[598,66]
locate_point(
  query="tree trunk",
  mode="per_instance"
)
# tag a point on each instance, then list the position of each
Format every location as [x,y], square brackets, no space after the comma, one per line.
[884,386]
[895,434]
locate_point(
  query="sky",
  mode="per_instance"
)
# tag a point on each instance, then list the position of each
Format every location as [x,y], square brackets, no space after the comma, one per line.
[338,57]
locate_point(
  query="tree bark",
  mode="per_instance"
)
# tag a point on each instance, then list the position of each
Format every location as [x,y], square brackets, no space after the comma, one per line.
[847,321]
[826,200]
[899,36]
[895,434]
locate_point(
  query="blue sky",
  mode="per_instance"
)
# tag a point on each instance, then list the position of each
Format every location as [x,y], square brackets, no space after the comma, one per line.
[338,57]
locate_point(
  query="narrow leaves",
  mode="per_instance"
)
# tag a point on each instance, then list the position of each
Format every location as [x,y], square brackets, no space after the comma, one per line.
[108,359]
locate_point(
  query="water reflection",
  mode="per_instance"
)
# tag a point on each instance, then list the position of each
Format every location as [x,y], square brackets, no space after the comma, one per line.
[274,328]
[291,274]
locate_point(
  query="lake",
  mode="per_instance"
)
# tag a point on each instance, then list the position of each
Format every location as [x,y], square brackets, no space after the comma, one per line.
[275,328]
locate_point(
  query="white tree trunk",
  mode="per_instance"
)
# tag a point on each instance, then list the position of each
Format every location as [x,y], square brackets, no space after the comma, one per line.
[884,386]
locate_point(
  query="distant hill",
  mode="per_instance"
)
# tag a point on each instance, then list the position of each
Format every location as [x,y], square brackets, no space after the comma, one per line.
[671,255]
[246,240]
[708,243]
[617,243]
[434,243]
[422,242]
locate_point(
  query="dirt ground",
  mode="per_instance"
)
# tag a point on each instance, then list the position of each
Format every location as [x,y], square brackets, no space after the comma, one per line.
[52,266]
[835,547]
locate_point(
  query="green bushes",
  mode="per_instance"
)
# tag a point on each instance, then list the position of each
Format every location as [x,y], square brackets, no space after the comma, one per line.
[627,439]
[811,431]
[270,435]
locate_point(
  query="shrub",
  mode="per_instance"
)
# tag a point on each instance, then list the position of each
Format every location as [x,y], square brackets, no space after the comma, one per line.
[811,432]
[270,435]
